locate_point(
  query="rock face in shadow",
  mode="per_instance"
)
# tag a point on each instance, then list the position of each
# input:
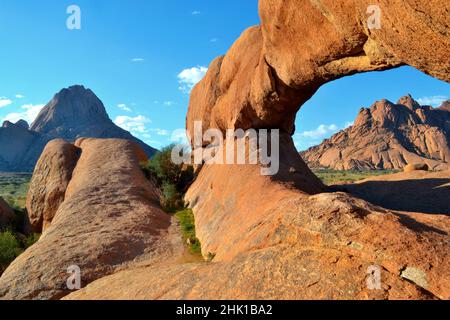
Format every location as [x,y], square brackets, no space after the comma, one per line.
[6,213]
[109,217]
[73,113]
[416,191]
[48,185]
[388,136]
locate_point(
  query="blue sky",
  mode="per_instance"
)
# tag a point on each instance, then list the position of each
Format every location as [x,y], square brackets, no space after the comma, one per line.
[141,57]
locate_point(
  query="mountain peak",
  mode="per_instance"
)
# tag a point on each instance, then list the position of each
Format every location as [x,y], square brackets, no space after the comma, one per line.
[21,124]
[445,105]
[74,112]
[71,107]
[409,102]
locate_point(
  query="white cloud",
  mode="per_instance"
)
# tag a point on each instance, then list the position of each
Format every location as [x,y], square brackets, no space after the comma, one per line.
[321,131]
[160,132]
[214,40]
[29,113]
[188,78]
[307,139]
[196,13]
[135,125]
[124,107]
[168,103]
[20,96]
[434,101]
[4,102]
[137,60]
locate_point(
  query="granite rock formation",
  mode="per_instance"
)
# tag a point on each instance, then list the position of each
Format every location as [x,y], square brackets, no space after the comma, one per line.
[109,216]
[388,136]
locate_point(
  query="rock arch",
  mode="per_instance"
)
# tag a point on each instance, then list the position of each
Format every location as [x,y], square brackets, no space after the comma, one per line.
[264,79]
[272,69]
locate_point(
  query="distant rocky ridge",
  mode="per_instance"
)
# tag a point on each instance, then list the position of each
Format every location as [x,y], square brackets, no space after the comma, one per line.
[388,136]
[73,113]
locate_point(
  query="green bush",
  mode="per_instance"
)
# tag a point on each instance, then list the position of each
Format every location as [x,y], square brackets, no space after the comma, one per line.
[172,179]
[329,176]
[162,169]
[10,249]
[187,223]
[171,200]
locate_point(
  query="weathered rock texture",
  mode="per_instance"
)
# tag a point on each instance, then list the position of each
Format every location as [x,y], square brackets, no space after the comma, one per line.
[296,247]
[270,237]
[388,136]
[73,113]
[109,217]
[6,213]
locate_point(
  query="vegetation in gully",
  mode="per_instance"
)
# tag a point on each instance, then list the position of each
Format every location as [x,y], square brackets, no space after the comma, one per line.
[13,238]
[172,181]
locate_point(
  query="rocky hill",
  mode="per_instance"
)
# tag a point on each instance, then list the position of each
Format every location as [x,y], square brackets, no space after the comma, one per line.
[72,113]
[388,136]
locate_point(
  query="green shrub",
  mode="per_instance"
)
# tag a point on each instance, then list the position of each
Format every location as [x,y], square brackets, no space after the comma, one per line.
[329,176]
[187,223]
[171,200]
[172,179]
[162,169]
[9,249]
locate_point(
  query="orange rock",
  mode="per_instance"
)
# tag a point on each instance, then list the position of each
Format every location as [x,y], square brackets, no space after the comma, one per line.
[48,185]
[109,216]
[307,247]
[416,167]
[273,69]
